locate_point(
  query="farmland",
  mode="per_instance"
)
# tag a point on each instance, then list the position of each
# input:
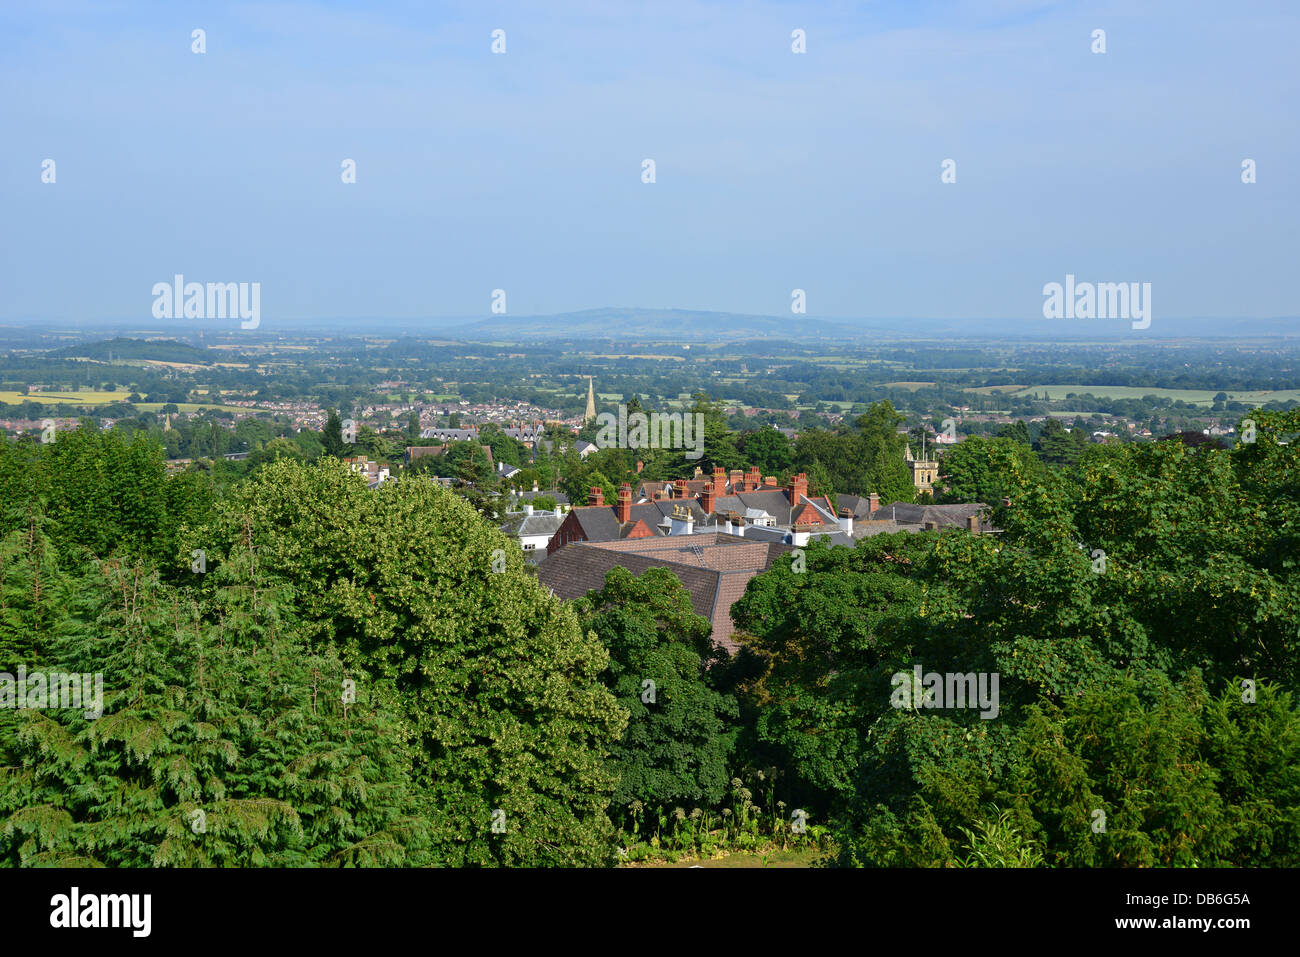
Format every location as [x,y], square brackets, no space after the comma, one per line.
[85,397]
[1196,396]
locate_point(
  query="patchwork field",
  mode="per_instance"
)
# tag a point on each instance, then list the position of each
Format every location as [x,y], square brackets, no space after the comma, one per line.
[1197,396]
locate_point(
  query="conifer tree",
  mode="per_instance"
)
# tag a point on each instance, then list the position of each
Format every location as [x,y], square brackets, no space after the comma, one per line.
[222,741]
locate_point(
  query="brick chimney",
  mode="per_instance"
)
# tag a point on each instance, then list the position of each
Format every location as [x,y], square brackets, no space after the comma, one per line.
[737,485]
[873,503]
[679,489]
[709,499]
[770,480]
[595,496]
[798,488]
[754,479]
[625,504]
[719,482]
[973,524]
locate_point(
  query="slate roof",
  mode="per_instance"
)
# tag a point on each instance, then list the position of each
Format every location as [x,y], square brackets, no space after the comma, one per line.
[776,503]
[599,523]
[833,538]
[943,516]
[858,505]
[648,490]
[714,568]
[521,524]
[450,435]
[868,529]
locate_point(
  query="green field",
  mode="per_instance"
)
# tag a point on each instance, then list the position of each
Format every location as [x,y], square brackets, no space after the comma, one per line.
[93,400]
[1197,396]
[86,398]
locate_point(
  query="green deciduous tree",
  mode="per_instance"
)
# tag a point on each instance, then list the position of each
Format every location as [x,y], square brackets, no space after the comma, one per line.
[981,470]
[679,733]
[493,674]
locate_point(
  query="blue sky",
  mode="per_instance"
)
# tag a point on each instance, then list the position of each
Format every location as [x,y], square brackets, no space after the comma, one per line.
[522,171]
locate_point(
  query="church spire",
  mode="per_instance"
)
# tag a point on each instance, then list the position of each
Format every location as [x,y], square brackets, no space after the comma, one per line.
[591,399]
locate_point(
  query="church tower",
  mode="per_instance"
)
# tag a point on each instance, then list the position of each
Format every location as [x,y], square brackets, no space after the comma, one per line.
[924,470]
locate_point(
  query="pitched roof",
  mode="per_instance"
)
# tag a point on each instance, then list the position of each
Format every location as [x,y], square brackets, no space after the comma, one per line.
[453,435]
[600,523]
[943,516]
[858,505]
[714,568]
[521,524]
[775,502]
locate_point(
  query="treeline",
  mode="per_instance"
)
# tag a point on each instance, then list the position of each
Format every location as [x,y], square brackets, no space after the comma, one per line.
[300,671]
[1142,611]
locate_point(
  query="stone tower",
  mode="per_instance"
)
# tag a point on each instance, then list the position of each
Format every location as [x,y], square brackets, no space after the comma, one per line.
[591,399]
[924,470]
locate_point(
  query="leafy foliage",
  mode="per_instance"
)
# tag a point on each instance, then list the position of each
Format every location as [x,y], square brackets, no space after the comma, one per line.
[678,735]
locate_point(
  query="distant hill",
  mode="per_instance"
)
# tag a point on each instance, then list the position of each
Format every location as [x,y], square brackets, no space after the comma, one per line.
[690,325]
[680,325]
[684,325]
[160,350]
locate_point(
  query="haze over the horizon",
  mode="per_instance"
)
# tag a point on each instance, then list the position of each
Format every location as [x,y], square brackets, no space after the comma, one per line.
[522,171]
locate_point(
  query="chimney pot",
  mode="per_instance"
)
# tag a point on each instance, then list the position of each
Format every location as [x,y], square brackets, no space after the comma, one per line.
[798,488]
[708,500]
